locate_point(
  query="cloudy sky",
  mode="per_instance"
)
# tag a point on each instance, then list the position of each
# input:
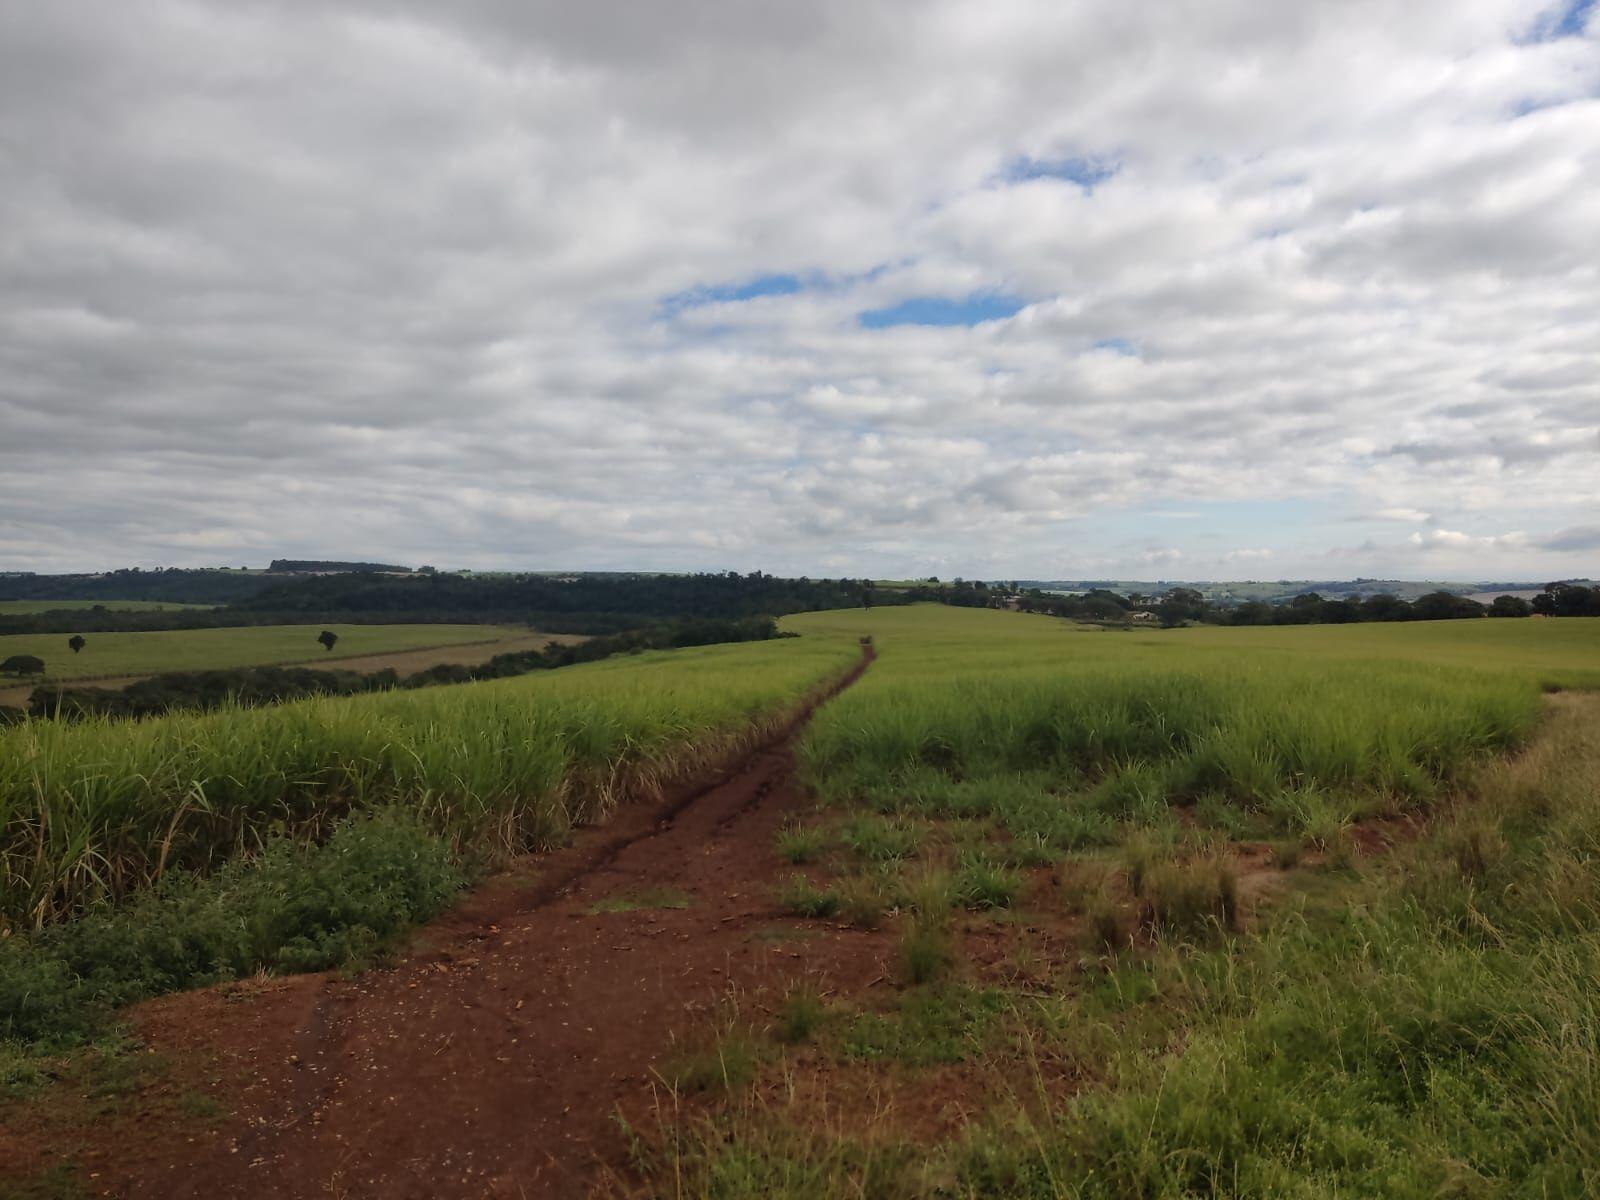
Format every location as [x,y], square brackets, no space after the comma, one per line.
[1210,289]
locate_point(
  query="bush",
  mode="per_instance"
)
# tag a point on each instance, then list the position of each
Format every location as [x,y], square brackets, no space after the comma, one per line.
[291,909]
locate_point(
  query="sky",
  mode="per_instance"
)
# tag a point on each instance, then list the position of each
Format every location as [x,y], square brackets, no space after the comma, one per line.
[1011,288]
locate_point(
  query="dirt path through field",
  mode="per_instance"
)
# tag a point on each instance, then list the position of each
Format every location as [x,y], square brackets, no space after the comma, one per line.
[491,1062]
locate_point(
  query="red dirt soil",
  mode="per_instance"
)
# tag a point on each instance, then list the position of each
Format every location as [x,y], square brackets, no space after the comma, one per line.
[492,1060]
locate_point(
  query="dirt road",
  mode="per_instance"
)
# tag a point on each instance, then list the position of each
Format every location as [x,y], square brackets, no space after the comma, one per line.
[492,1061]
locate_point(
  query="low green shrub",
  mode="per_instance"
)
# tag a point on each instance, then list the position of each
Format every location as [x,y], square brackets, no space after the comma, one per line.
[290,909]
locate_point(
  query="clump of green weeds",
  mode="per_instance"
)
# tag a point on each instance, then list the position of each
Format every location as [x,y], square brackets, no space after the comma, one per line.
[292,909]
[881,839]
[716,1065]
[982,883]
[646,899]
[925,949]
[805,899]
[1192,899]
[861,902]
[802,844]
[801,1015]
[946,1023]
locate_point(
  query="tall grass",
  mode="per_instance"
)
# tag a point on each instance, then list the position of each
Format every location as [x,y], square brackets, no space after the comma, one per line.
[1438,1037]
[1426,1026]
[94,811]
[1121,728]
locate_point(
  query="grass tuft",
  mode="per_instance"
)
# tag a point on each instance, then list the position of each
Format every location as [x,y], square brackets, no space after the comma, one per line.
[804,899]
[925,950]
[1195,899]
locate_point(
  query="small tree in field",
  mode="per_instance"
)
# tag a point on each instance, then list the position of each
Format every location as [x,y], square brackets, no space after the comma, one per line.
[22,664]
[327,638]
[77,642]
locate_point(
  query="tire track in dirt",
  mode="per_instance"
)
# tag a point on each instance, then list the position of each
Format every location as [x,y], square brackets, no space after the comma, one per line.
[491,1062]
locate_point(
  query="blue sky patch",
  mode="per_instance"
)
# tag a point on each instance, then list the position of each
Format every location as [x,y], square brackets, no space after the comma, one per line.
[942,310]
[1119,345]
[1561,20]
[734,293]
[1086,172]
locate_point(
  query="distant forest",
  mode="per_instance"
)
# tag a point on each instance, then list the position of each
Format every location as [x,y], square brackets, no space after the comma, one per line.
[588,604]
[1179,605]
[303,565]
[172,585]
[603,604]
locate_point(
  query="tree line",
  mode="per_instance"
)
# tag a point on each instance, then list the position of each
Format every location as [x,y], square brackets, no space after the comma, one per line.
[1179,605]
[586,604]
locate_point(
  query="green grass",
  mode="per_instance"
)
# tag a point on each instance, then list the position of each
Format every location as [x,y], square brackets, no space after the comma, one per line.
[1054,730]
[292,908]
[110,654]
[1421,1023]
[1421,1027]
[650,898]
[95,811]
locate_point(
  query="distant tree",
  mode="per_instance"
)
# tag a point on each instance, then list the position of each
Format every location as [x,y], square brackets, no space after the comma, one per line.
[1567,600]
[1252,612]
[1385,606]
[1510,606]
[1101,596]
[1444,606]
[1180,605]
[22,664]
[76,642]
[327,638]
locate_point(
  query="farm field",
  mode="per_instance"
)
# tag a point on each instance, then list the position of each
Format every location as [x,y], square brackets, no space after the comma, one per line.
[115,654]
[1300,856]
[1031,910]
[99,809]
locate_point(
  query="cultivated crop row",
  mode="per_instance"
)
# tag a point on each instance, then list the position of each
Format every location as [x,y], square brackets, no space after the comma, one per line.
[94,811]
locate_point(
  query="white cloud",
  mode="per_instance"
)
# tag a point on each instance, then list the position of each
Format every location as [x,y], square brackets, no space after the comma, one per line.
[1411,516]
[390,279]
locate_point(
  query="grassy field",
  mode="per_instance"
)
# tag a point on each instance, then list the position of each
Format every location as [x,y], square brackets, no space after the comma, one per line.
[15,607]
[112,654]
[1263,912]
[1206,912]
[1307,724]
[95,811]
